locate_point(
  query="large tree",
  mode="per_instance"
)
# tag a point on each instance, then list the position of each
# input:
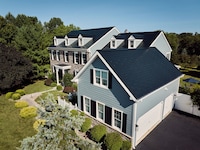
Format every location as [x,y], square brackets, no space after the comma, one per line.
[59,131]
[15,68]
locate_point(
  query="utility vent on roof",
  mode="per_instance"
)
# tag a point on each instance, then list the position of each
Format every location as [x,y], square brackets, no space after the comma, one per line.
[133,42]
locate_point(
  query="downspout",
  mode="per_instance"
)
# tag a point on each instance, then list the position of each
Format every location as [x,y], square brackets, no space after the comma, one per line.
[133,140]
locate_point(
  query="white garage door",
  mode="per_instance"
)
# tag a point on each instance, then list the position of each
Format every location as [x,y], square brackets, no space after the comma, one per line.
[148,121]
[168,105]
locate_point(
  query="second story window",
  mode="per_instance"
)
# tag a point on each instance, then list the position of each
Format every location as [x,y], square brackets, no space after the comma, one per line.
[66,56]
[53,55]
[84,58]
[101,77]
[113,44]
[131,44]
[58,56]
[76,57]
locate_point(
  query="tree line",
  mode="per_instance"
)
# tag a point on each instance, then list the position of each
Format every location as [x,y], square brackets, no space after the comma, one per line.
[185,49]
[26,39]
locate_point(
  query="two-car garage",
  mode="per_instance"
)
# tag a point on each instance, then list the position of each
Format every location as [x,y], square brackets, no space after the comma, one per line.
[147,122]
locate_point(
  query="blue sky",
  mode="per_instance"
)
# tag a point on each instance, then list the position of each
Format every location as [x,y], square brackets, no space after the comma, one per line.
[134,15]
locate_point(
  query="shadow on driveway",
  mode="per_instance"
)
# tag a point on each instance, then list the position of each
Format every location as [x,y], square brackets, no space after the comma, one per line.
[178,131]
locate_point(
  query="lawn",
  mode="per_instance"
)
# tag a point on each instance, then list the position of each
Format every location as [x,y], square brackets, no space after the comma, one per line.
[13,128]
[38,86]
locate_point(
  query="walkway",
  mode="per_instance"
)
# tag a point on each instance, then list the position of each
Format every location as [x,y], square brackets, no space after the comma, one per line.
[30,98]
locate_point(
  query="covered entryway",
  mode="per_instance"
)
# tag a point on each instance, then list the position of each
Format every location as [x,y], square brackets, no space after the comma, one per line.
[148,122]
[60,71]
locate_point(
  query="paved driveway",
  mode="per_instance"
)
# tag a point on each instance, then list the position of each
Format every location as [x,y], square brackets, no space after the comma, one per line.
[177,132]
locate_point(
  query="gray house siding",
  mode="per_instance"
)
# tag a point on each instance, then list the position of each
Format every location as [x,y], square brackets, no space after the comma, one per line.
[115,97]
[161,44]
[103,41]
[152,100]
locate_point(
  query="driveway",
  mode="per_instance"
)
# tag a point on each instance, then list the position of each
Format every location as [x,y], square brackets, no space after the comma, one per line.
[178,131]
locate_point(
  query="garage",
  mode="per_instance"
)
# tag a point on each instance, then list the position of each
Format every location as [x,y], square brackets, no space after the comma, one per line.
[168,105]
[148,121]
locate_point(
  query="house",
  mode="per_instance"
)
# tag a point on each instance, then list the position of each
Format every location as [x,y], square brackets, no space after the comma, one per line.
[129,90]
[71,52]
[133,40]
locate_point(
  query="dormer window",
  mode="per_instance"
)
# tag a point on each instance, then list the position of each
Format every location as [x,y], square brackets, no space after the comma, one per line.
[80,40]
[66,41]
[133,43]
[113,42]
[55,41]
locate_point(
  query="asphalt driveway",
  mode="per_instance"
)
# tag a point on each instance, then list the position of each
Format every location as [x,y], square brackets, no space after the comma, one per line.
[176,132]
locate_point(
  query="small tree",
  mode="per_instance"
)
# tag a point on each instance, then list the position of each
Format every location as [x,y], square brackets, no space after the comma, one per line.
[67,79]
[196,97]
[59,130]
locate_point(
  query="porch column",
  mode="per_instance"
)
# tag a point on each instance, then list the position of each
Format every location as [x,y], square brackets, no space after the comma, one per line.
[57,76]
[63,72]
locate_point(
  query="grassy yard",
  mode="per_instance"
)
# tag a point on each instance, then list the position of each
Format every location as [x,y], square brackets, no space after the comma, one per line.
[13,128]
[38,86]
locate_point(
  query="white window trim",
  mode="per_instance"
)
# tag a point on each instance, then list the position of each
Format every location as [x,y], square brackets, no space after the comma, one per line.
[57,58]
[65,56]
[55,41]
[66,41]
[94,78]
[80,40]
[82,61]
[52,57]
[113,43]
[75,62]
[84,109]
[97,111]
[113,119]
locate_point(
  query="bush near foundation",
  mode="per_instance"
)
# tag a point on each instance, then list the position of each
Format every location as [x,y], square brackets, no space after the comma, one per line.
[28,112]
[98,132]
[9,95]
[21,104]
[113,141]
[86,125]
[126,145]
[16,96]
[20,91]
[59,87]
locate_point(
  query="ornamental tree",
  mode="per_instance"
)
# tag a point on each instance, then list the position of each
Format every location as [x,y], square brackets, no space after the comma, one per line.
[60,131]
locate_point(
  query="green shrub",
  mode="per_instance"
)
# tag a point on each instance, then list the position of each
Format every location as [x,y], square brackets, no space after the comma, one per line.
[75,113]
[86,125]
[20,91]
[48,82]
[28,112]
[9,95]
[98,132]
[59,87]
[21,104]
[126,145]
[16,96]
[38,123]
[67,79]
[53,84]
[113,141]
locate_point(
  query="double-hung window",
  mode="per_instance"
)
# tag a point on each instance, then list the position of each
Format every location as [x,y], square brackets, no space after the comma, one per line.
[84,58]
[66,56]
[53,54]
[76,57]
[117,119]
[100,111]
[58,55]
[87,105]
[101,77]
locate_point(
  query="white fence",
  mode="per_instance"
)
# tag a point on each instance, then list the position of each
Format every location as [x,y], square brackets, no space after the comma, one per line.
[184,103]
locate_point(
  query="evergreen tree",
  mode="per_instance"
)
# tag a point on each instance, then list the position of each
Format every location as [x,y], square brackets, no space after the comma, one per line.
[59,131]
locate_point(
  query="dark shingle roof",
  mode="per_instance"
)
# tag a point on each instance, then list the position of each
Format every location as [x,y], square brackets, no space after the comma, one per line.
[141,70]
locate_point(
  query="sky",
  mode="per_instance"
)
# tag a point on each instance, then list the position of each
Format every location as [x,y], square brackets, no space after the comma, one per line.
[134,15]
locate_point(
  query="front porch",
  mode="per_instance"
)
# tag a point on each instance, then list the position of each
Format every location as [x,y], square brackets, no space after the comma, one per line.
[60,70]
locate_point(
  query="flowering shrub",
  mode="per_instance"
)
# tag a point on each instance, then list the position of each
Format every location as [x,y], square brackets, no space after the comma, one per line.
[37,123]
[21,104]
[28,112]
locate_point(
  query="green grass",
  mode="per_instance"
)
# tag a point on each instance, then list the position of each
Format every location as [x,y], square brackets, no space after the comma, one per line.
[38,86]
[13,128]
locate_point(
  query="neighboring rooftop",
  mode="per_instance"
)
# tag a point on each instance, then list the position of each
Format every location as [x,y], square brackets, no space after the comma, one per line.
[141,70]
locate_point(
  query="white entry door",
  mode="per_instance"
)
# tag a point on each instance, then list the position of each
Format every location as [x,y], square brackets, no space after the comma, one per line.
[148,122]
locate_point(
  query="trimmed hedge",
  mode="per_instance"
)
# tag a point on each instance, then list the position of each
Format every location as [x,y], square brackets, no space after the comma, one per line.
[20,91]
[98,132]
[21,104]
[59,87]
[53,84]
[9,95]
[86,125]
[126,145]
[28,112]
[113,141]
[16,96]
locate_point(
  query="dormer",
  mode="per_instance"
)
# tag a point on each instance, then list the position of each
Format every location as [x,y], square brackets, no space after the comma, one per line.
[114,43]
[133,42]
[83,40]
[66,40]
[57,40]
